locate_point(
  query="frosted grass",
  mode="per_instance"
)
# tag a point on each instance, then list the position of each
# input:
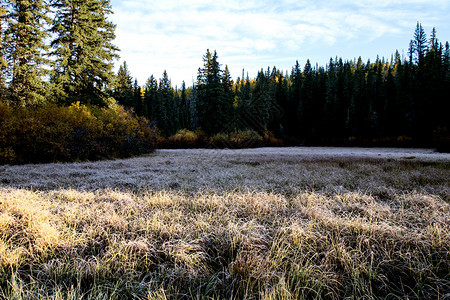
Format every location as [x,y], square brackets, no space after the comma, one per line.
[268,223]
[282,170]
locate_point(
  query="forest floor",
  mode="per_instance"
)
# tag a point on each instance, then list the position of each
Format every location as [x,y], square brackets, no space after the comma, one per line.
[266,223]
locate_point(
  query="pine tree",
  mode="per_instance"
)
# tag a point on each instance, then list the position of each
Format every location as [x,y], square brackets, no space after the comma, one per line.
[446,86]
[164,108]
[193,109]
[291,122]
[211,117]
[242,102]
[446,56]
[3,63]
[331,102]
[434,84]
[176,111]
[278,103]
[137,99]
[245,89]
[123,87]
[377,111]
[83,50]
[183,108]
[411,51]
[419,99]
[24,47]
[258,118]
[394,116]
[150,98]
[305,109]
[418,45]
[227,99]
[319,103]
[344,98]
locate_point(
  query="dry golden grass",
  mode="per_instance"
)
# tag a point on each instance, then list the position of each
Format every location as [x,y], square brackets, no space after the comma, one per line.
[240,226]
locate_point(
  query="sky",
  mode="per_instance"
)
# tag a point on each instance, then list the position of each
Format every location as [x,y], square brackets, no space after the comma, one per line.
[171,35]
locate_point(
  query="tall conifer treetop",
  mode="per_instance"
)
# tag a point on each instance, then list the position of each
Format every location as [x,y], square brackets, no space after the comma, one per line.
[214,103]
[418,45]
[123,86]
[24,49]
[83,50]
[3,63]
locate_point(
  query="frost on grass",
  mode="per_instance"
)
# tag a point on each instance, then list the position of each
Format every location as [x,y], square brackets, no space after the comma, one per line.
[258,224]
[285,170]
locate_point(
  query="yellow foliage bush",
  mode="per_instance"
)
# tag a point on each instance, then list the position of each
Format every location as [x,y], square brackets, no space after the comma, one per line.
[183,138]
[55,133]
[220,140]
[237,139]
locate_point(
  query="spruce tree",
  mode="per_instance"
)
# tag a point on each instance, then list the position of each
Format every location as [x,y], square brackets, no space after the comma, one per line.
[258,118]
[193,109]
[344,97]
[83,50]
[183,108]
[278,104]
[163,106]
[331,101]
[3,63]
[227,99]
[446,86]
[419,45]
[419,97]
[137,99]
[211,117]
[319,103]
[305,109]
[150,94]
[245,89]
[243,102]
[393,113]
[123,87]
[290,123]
[24,49]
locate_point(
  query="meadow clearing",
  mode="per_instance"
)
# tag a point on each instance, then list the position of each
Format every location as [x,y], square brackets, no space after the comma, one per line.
[266,223]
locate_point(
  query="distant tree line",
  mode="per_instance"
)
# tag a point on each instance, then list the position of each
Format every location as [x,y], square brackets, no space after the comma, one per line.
[401,100]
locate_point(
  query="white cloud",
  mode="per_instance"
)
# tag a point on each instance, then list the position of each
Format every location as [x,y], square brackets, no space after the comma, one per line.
[174,35]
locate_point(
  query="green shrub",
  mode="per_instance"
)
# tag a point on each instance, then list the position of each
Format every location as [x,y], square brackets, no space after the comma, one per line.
[236,140]
[54,133]
[219,140]
[184,138]
[245,139]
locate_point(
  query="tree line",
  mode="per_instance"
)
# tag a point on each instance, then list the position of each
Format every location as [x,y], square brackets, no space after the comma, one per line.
[61,52]
[401,100]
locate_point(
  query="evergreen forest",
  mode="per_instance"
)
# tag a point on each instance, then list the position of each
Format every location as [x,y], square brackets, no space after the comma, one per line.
[60,98]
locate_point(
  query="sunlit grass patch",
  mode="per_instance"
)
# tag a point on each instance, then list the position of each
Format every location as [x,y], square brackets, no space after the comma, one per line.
[308,234]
